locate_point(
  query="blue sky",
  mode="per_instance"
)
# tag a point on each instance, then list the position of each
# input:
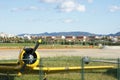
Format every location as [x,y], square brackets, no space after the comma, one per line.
[38,16]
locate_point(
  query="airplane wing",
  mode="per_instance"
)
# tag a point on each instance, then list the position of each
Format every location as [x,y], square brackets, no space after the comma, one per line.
[9,67]
[60,69]
[8,63]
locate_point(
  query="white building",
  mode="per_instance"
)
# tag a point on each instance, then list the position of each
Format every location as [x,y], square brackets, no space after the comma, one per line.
[2,34]
[26,36]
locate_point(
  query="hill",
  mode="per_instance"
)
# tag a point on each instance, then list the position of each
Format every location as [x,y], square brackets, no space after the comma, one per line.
[116,34]
[77,33]
[62,33]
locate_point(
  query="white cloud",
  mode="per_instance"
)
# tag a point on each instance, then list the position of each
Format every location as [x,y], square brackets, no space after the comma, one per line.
[33,8]
[54,1]
[68,21]
[48,1]
[69,6]
[81,8]
[114,8]
[51,1]
[90,1]
[26,8]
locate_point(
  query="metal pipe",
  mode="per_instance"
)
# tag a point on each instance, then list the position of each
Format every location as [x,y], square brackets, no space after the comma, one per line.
[103,61]
[82,69]
[118,69]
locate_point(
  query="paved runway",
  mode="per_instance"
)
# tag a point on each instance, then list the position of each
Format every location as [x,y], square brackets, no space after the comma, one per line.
[96,53]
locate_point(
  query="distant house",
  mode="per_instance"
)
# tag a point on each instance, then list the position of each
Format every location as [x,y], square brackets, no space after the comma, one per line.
[115,39]
[82,38]
[118,38]
[60,37]
[48,38]
[63,37]
[91,38]
[70,38]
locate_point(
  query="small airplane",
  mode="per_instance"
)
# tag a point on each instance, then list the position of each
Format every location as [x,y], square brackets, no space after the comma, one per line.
[29,60]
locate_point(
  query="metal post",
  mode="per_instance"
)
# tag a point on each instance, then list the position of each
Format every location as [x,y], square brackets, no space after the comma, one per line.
[40,71]
[118,69]
[82,70]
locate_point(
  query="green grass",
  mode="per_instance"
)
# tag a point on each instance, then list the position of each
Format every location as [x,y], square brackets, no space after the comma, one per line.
[76,61]
[70,61]
[15,45]
[52,46]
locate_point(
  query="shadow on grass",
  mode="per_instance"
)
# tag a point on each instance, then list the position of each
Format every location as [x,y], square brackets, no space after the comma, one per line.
[112,72]
[6,77]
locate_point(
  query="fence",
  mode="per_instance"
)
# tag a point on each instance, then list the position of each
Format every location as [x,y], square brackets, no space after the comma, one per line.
[62,62]
[110,68]
[112,72]
[66,74]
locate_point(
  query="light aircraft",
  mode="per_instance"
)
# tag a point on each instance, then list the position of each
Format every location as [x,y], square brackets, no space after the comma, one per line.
[29,61]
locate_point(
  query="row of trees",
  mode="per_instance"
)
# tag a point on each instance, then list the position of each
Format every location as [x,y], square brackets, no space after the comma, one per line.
[58,41]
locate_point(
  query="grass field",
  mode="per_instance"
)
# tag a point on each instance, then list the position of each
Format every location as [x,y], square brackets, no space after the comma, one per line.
[69,61]
[15,45]
[52,46]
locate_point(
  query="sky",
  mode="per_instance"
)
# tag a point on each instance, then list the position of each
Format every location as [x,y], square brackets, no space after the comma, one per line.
[39,16]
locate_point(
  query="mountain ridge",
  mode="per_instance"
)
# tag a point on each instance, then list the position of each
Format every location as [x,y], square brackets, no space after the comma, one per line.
[72,33]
